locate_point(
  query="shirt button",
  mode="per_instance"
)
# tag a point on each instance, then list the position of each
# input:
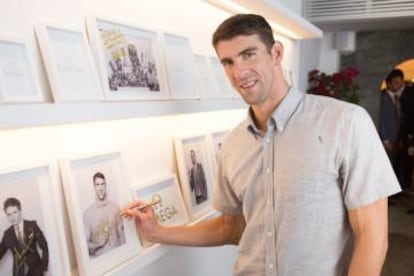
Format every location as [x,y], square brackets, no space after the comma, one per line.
[268,202]
[267,170]
[269,233]
[268,141]
[271,266]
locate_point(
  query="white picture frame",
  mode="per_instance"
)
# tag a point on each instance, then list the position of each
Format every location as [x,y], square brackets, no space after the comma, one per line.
[18,76]
[69,64]
[129,60]
[197,193]
[205,80]
[103,239]
[224,88]
[35,188]
[179,66]
[171,210]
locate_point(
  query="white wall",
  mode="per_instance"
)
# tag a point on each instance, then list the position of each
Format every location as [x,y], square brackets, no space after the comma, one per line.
[146,143]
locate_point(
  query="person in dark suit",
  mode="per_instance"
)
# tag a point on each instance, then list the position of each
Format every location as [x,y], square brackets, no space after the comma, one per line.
[395,123]
[198,182]
[23,238]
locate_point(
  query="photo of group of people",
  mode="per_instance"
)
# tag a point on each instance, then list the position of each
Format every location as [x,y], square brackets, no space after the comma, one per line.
[130,59]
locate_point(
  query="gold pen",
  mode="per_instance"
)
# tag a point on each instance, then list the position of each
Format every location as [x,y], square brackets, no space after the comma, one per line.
[156,199]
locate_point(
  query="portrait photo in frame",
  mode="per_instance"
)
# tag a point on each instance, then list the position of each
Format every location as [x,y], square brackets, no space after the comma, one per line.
[31,228]
[171,209]
[205,81]
[95,191]
[129,60]
[195,173]
[69,65]
[18,78]
[179,65]
[216,140]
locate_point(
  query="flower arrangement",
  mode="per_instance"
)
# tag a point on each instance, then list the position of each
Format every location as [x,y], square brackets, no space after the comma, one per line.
[341,85]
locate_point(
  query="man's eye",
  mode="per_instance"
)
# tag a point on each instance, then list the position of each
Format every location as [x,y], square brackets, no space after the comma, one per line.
[248,55]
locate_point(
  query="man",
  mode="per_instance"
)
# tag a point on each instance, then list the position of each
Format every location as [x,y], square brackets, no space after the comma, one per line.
[198,182]
[393,122]
[24,239]
[302,183]
[102,221]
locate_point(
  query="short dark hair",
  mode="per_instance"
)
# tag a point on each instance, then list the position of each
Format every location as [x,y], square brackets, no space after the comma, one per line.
[98,175]
[395,73]
[244,24]
[12,201]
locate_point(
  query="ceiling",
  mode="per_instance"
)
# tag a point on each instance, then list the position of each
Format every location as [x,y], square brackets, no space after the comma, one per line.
[360,15]
[371,24]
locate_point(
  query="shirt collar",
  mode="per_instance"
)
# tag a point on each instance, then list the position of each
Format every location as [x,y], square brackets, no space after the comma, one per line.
[282,113]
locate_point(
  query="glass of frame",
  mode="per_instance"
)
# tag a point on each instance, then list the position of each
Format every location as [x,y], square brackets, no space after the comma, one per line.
[216,140]
[129,60]
[179,65]
[95,190]
[69,64]
[195,173]
[18,82]
[31,200]
[204,77]
[171,210]
[225,90]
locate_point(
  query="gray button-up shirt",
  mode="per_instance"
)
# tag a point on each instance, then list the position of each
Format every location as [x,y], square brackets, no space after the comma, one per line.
[294,185]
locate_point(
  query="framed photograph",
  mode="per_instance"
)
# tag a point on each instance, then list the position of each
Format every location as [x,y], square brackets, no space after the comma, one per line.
[129,60]
[18,81]
[171,210]
[69,64]
[95,191]
[179,65]
[195,173]
[216,140]
[205,80]
[225,90]
[32,238]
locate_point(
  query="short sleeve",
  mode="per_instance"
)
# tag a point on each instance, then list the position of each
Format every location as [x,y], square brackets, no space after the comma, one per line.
[365,169]
[224,197]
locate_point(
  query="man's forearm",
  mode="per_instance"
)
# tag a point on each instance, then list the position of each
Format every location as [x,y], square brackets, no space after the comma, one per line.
[218,231]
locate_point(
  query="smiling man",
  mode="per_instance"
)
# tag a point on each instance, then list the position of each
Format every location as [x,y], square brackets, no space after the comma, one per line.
[302,182]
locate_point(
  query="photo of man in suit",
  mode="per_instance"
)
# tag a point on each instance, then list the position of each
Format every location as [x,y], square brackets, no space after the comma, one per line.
[198,182]
[102,220]
[24,239]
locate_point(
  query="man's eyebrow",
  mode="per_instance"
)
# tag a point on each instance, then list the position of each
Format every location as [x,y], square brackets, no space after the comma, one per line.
[248,49]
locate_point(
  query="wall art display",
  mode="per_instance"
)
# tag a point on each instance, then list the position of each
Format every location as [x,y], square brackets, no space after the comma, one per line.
[195,173]
[179,65]
[129,59]
[69,65]
[171,209]
[216,140]
[18,82]
[95,191]
[205,80]
[32,240]
[225,90]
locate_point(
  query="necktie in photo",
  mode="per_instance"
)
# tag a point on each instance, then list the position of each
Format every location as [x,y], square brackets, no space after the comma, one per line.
[19,235]
[397,103]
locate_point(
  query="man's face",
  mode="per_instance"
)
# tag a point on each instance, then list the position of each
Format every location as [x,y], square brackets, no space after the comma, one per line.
[193,157]
[100,188]
[14,215]
[249,66]
[395,84]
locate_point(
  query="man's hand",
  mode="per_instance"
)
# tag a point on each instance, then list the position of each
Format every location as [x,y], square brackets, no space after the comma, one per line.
[144,218]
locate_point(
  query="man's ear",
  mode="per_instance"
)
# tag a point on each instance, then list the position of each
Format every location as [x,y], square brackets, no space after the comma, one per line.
[277,52]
